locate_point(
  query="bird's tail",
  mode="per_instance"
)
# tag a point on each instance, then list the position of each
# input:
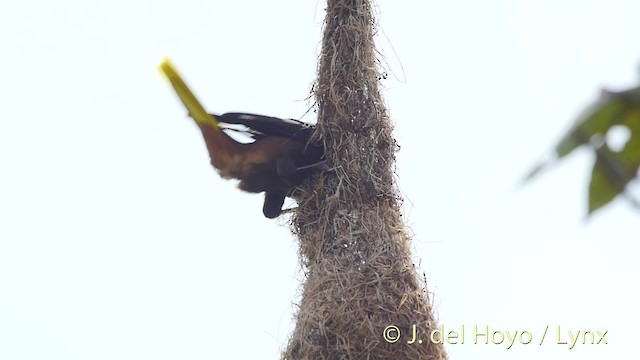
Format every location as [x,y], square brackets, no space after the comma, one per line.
[196,110]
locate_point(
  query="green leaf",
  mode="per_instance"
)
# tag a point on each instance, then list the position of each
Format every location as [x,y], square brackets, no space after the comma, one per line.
[612,171]
[601,191]
[535,171]
[602,115]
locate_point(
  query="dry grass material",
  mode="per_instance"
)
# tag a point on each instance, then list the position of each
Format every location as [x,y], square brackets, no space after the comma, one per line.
[354,247]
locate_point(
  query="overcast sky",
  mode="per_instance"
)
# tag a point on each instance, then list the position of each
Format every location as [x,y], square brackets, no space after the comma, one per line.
[119,241]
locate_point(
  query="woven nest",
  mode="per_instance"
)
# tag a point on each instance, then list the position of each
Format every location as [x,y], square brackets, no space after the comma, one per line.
[354,247]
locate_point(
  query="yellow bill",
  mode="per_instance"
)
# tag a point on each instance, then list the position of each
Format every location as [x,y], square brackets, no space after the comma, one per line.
[196,111]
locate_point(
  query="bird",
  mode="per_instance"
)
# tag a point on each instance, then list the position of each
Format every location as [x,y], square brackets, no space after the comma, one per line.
[278,157]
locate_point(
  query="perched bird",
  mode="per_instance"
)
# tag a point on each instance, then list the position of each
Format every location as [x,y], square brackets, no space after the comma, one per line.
[278,158]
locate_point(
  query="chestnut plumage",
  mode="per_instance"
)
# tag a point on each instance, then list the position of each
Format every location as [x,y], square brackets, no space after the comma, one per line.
[279,157]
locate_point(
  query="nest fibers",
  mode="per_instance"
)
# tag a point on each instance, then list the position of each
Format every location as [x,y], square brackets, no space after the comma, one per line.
[353,243]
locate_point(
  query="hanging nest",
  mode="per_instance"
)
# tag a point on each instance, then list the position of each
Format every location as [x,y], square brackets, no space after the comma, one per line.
[354,248]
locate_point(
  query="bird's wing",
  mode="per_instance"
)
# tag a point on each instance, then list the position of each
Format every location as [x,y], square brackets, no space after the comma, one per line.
[270,126]
[241,133]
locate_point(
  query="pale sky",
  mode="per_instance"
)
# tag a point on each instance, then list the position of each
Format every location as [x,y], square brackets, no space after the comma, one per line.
[119,241]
